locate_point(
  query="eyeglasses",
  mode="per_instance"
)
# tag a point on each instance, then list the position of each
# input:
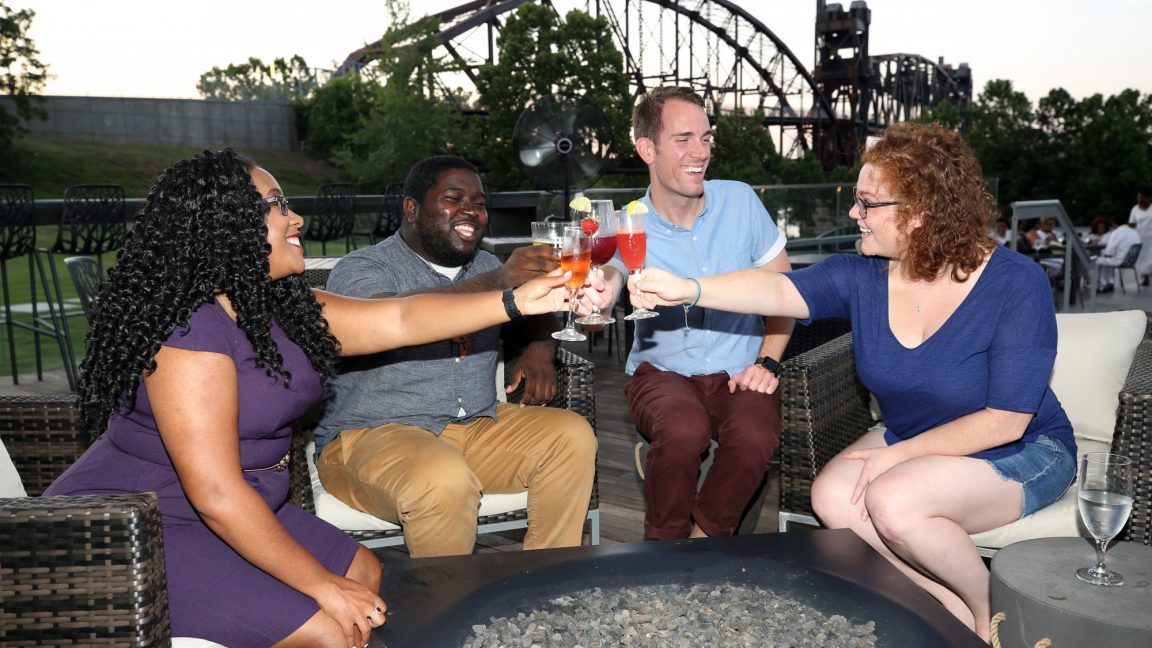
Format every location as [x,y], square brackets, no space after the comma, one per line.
[864,205]
[280,201]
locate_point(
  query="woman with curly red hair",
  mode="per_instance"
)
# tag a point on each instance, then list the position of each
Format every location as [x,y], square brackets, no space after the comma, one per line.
[956,338]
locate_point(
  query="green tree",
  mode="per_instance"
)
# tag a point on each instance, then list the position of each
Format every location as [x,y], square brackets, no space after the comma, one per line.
[1091,154]
[541,54]
[376,123]
[1099,149]
[281,79]
[1006,141]
[336,112]
[23,75]
[743,150]
[945,112]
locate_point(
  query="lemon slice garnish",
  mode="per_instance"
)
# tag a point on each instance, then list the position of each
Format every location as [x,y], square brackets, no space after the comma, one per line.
[581,204]
[637,207]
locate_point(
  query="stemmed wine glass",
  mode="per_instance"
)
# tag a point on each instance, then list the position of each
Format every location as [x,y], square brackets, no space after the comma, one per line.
[633,243]
[575,257]
[1105,497]
[603,249]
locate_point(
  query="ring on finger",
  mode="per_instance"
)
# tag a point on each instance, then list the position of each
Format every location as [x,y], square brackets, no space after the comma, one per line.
[374,613]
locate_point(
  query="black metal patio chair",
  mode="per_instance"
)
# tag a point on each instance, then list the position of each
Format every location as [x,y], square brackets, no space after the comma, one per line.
[18,239]
[333,216]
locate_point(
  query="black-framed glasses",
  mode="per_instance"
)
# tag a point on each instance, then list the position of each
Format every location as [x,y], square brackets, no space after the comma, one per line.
[279,201]
[864,205]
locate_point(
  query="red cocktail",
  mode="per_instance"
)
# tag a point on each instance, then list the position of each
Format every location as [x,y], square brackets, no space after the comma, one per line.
[633,242]
[603,248]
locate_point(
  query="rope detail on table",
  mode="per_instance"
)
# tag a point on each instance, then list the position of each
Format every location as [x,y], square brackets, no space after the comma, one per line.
[995,633]
[636,456]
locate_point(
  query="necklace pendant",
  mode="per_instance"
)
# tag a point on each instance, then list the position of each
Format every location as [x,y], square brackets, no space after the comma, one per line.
[917,309]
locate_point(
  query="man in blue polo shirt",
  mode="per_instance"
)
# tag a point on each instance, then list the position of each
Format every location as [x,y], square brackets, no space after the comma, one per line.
[700,374]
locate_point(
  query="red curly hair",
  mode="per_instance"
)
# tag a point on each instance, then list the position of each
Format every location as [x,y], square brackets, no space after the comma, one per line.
[935,176]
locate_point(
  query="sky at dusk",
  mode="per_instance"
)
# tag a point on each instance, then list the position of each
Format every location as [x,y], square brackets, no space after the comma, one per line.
[139,48]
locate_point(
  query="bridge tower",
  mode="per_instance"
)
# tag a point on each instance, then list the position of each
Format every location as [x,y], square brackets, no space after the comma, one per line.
[844,76]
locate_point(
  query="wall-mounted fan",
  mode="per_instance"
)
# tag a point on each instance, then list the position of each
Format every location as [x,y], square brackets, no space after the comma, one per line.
[564,143]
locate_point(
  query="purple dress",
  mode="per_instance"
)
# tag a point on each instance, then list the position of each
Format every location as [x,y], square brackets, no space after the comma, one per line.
[213,592]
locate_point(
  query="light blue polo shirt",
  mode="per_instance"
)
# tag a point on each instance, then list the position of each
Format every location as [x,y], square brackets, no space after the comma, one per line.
[734,232]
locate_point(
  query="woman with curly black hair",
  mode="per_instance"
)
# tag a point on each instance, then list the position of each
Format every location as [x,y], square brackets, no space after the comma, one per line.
[205,344]
[956,338]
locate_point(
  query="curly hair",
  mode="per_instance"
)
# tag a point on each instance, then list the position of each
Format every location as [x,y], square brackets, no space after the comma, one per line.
[647,116]
[935,176]
[202,231]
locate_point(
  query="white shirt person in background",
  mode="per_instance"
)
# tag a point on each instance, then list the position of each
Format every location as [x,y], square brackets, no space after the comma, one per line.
[1141,218]
[1120,240]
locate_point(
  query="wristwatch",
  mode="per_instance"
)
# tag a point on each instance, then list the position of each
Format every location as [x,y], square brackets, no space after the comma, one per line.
[510,304]
[768,363]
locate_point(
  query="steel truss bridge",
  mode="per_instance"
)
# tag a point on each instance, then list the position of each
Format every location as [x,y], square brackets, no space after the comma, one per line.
[736,63]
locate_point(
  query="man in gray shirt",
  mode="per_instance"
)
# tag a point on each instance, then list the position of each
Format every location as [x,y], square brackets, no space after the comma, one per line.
[415,435]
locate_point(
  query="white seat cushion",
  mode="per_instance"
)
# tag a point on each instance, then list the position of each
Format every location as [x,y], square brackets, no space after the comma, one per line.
[10,484]
[192,642]
[1093,356]
[342,516]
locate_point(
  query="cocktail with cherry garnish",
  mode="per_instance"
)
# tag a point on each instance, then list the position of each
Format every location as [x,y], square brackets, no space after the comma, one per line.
[601,226]
[633,243]
[575,257]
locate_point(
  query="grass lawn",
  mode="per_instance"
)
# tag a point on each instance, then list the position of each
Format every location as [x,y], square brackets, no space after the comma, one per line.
[51,165]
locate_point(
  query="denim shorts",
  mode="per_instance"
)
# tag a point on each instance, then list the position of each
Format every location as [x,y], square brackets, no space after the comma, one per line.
[1044,467]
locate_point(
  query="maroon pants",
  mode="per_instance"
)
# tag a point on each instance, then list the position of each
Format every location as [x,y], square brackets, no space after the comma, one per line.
[679,416]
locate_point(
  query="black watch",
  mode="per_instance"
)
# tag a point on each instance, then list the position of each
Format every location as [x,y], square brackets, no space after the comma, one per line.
[768,363]
[510,304]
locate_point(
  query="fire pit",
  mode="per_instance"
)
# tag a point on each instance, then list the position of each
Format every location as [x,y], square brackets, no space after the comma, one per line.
[436,601]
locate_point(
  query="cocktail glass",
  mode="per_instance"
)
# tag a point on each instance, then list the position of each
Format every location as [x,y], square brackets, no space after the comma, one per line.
[548,233]
[603,249]
[575,257]
[632,243]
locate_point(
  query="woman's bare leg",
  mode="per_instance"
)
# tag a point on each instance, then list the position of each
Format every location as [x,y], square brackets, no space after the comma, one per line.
[925,508]
[959,580]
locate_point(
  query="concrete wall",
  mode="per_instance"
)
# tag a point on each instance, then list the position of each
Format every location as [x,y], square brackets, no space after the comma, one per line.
[260,125]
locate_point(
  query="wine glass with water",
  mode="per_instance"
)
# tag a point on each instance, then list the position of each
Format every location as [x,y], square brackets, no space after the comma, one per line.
[1105,496]
[575,257]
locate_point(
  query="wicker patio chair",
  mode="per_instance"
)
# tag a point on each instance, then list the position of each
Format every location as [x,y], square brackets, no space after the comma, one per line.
[86,570]
[575,391]
[825,408]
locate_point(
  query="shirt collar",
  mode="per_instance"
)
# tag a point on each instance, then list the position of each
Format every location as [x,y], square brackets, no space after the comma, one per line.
[667,225]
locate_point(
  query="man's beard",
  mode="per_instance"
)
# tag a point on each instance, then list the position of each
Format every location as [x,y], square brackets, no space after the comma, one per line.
[437,246]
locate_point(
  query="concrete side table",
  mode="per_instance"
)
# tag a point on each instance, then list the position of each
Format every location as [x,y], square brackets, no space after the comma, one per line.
[1034,584]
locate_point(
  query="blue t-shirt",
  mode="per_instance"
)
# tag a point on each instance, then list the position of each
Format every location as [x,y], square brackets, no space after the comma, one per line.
[995,351]
[733,232]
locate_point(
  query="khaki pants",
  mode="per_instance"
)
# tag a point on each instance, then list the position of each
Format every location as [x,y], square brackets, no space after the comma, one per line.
[432,485]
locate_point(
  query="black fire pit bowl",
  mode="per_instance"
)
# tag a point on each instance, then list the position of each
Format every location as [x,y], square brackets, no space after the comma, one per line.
[434,602]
